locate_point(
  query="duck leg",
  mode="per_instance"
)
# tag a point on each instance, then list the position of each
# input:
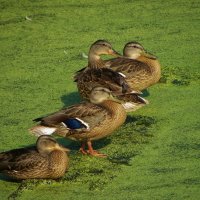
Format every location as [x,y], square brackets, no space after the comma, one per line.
[82,148]
[92,152]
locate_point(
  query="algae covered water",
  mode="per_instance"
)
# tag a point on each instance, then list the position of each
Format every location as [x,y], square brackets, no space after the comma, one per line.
[155,154]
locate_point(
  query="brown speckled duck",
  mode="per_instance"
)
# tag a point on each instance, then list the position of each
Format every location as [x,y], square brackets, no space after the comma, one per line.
[97,74]
[139,68]
[86,121]
[48,160]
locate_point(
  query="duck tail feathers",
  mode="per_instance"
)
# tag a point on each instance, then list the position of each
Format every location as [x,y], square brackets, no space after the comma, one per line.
[42,130]
[133,102]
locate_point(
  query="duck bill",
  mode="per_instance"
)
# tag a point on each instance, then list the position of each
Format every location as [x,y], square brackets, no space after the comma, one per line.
[149,55]
[114,53]
[64,149]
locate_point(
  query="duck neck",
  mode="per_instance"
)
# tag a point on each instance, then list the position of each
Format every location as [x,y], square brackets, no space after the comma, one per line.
[116,109]
[153,64]
[132,56]
[95,61]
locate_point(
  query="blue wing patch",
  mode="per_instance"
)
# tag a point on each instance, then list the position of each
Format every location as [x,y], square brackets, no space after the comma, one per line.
[75,123]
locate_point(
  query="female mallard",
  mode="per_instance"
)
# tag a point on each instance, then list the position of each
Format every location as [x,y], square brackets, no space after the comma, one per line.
[47,160]
[97,74]
[85,121]
[91,76]
[98,48]
[139,68]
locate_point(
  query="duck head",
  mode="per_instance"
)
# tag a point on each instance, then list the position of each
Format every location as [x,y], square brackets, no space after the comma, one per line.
[134,50]
[46,144]
[102,47]
[100,94]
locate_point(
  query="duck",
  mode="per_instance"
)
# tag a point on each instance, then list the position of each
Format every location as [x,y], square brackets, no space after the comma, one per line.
[140,68]
[46,160]
[86,121]
[98,48]
[95,73]
[98,74]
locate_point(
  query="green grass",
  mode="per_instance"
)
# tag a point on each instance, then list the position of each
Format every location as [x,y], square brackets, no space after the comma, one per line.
[155,155]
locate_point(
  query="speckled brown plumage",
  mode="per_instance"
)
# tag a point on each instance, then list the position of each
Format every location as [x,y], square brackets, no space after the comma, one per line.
[97,74]
[140,68]
[99,119]
[104,77]
[48,160]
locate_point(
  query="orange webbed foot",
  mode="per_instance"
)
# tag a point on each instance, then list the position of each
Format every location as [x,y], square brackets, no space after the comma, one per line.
[93,152]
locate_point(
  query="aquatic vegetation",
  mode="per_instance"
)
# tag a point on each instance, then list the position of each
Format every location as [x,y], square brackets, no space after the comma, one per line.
[155,155]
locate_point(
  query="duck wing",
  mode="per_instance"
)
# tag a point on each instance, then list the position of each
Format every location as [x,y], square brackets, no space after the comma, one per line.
[83,116]
[19,159]
[129,67]
[79,73]
[105,77]
[10,156]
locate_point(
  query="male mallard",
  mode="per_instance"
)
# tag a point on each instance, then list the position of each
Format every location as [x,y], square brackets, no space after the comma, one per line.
[139,68]
[97,74]
[47,160]
[86,121]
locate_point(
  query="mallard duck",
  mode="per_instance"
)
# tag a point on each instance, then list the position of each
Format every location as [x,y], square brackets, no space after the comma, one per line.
[139,68]
[97,74]
[98,48]
[47,160]
[86,121]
